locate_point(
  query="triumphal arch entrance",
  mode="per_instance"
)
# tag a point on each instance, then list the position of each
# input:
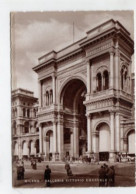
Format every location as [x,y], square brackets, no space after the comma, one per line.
[84,95]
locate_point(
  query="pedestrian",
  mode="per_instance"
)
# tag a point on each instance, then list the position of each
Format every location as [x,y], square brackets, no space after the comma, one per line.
[105,174]
[102,174]
[67,167]
[109,176]
[113,176]
[47,176]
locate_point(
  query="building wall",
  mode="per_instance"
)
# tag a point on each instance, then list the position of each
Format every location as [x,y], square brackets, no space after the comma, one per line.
[99,66]
[25,127]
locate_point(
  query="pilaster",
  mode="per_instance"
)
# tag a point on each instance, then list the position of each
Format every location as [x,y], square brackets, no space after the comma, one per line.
[89,134]
[111,69]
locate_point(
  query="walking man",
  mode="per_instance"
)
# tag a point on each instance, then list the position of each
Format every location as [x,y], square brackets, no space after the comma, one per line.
[47,176]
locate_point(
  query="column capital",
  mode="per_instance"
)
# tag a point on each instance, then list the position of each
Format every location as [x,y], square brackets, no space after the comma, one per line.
[88,116]
[40,124]
[112,52]
[55,121]
[112,112]
[87,61]
[125,139]
[95,133]
[117,112]
[53,75]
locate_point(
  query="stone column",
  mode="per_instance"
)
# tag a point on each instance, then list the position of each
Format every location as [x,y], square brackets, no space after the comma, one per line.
[117,131]
[76,138]
[89,135]
[54,88]
[111,70]
[72,143]
[88,77]
[60,137]
[95,145]
[121,141]
[54,139]
[41,139]
[40,93]
[112,137]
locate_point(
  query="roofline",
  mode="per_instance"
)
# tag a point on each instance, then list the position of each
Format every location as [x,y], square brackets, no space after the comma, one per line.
[22,90]
[81,42]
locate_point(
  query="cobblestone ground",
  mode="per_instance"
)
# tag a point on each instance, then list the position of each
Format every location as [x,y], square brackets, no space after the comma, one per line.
[84,175]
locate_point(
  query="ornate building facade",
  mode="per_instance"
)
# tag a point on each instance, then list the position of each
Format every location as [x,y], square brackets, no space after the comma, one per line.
[85,96]
[25,130]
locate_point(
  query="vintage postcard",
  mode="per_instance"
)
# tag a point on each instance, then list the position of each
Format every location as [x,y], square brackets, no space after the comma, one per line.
[72,102]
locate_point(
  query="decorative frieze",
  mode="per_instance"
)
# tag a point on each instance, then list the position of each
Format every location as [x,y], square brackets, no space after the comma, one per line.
[99,104]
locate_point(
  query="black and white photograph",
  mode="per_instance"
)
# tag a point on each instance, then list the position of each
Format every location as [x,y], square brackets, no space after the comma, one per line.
[72,99]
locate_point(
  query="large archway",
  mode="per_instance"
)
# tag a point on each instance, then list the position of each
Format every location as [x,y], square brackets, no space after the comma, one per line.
[75,122]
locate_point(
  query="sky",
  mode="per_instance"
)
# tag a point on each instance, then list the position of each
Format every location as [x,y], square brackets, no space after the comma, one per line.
[35,33]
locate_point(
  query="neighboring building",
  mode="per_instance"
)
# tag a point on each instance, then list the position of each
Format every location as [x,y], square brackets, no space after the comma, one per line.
[85,96]
[25,130]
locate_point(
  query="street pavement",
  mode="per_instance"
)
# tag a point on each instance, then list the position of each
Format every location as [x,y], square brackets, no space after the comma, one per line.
[84,175]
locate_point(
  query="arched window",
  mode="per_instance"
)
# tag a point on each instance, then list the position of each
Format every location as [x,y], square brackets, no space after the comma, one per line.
[37,129]
[37,146]
[51,97]
[99,82]
[14,128]
[35,112]
[106,80]
[15,112]
[47,98]
[24,112]
[28,113]
[26,127]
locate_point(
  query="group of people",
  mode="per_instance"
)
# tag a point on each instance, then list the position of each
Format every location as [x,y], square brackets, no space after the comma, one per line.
[47,173]
[81,159]
[106,176]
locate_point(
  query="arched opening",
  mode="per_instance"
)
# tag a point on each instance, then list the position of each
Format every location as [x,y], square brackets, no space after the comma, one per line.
[104,141]
[75,122]
[47,98]
[28,113]
[131,142]
[25,148]
[37,146]
[26,127]
[106,80]
[24,112]
[14,128]
[36,127]
[15,112]
[16,153]
[35,113]
[31,148]
[99,82]
[51,97]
